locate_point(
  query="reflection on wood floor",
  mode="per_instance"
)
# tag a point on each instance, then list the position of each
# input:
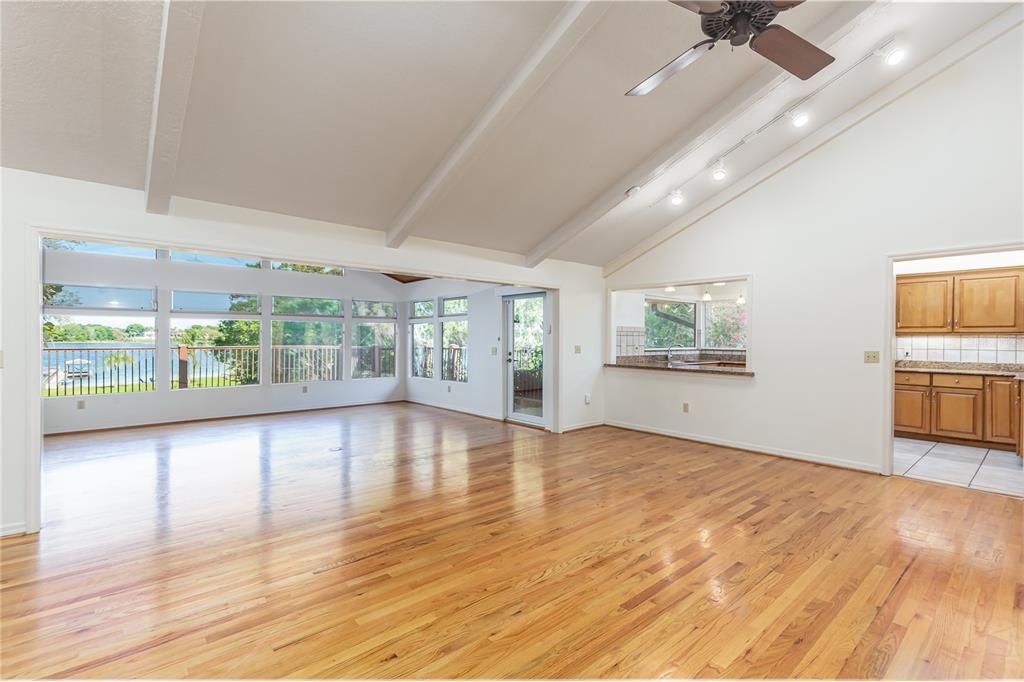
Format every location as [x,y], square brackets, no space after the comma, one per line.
[401,540]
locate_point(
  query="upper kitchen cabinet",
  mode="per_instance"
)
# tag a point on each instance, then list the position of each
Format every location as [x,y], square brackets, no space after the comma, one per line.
[970,302]
[924,304]
[989,301]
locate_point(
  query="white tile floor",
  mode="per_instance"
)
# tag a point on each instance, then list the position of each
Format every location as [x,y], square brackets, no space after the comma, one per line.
[992,470]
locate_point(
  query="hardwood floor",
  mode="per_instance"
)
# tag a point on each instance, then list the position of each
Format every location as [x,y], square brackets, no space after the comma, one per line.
[405,541]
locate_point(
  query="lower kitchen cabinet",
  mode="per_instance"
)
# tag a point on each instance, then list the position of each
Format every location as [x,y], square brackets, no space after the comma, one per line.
[965,407]
[958,413]
[912,409]
[1002,404]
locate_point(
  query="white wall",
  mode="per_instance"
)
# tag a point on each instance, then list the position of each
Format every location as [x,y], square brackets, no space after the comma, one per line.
[938,169]
[32,201]
[971,261]
[62,414]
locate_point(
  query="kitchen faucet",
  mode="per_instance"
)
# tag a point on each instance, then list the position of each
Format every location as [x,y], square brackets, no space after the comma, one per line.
[670,349]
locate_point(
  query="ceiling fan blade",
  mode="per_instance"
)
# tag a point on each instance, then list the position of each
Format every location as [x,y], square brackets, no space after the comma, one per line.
[790,51]
[677,64]
[783,5]
[701,6]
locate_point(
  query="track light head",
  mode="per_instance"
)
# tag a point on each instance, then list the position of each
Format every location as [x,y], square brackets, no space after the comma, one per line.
[719,173]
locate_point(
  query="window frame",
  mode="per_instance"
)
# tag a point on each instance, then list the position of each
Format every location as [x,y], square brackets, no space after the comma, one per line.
[445,299]
[393,304]
[339,315]
[696,324]
[449,320]
[57,307]
[432,323]
[356,321]
[412,309]
[704,325]
[219,313]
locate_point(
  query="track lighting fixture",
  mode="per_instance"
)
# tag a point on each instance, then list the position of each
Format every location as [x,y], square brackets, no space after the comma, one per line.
[706,296]
[676,197]
[893,52]
[719,172]
[741,300]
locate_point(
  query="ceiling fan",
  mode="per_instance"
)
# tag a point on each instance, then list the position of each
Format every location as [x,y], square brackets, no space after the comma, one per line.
[739,22]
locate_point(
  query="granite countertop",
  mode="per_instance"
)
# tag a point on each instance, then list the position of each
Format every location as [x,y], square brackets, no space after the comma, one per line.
[660,363]
[991,369]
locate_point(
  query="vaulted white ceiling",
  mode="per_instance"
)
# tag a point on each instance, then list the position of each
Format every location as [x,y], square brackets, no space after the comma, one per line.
[494,124]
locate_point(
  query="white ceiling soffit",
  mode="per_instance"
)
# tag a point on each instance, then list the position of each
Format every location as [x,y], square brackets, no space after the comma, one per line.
[340,110]
[926,28]
[77,88]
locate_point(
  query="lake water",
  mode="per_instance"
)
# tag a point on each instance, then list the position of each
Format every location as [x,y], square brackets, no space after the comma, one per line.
[95,363]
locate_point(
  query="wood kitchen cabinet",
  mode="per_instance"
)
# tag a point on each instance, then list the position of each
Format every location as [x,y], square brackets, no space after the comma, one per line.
[958,412]
[924,304]
[989,301]
[1002,407]
[912,410]
[959,408]
[968,302]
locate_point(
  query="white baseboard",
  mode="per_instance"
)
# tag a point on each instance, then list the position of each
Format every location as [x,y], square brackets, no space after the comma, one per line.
[12,529]
[789,454]
[581,425]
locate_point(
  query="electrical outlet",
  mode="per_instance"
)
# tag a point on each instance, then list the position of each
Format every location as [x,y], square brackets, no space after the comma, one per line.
[305,389]
[449,389]
[494,350]
[578,349]
[872,357]
[686,408]
[80,405]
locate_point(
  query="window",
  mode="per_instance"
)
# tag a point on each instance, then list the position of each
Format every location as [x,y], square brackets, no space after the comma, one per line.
[373,350]
[423,350]
[305,351]
[454,345]
[201,302]
[373,309]
[669,323]
[208,352]
[422,309]
[308,268]
[298,305]
[725,325]
[214,259]
[113,298]
[455,306]
[98,247]
[95,354]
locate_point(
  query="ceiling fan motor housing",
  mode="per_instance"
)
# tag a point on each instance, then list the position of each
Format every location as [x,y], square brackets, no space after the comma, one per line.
[740,20]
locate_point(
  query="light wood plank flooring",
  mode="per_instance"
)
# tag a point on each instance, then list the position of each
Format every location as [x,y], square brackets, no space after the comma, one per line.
[401,540]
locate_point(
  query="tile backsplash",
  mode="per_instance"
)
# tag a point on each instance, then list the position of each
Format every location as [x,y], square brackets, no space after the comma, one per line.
[961,348]
[629,341]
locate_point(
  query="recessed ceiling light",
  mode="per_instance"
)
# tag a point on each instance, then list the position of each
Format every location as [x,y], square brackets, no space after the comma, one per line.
[719,173]
[669,290]
[676,197]
[798,118]
[718,284]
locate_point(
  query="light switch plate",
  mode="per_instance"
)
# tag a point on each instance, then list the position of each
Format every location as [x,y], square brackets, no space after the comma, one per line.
[872,357]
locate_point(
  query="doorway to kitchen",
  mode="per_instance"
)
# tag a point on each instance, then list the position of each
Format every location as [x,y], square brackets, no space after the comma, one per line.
[524,358]
[959,366]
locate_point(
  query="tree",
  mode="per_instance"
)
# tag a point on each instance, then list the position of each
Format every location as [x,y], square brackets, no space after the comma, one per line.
[669,324]
[134,330]
[239,333]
